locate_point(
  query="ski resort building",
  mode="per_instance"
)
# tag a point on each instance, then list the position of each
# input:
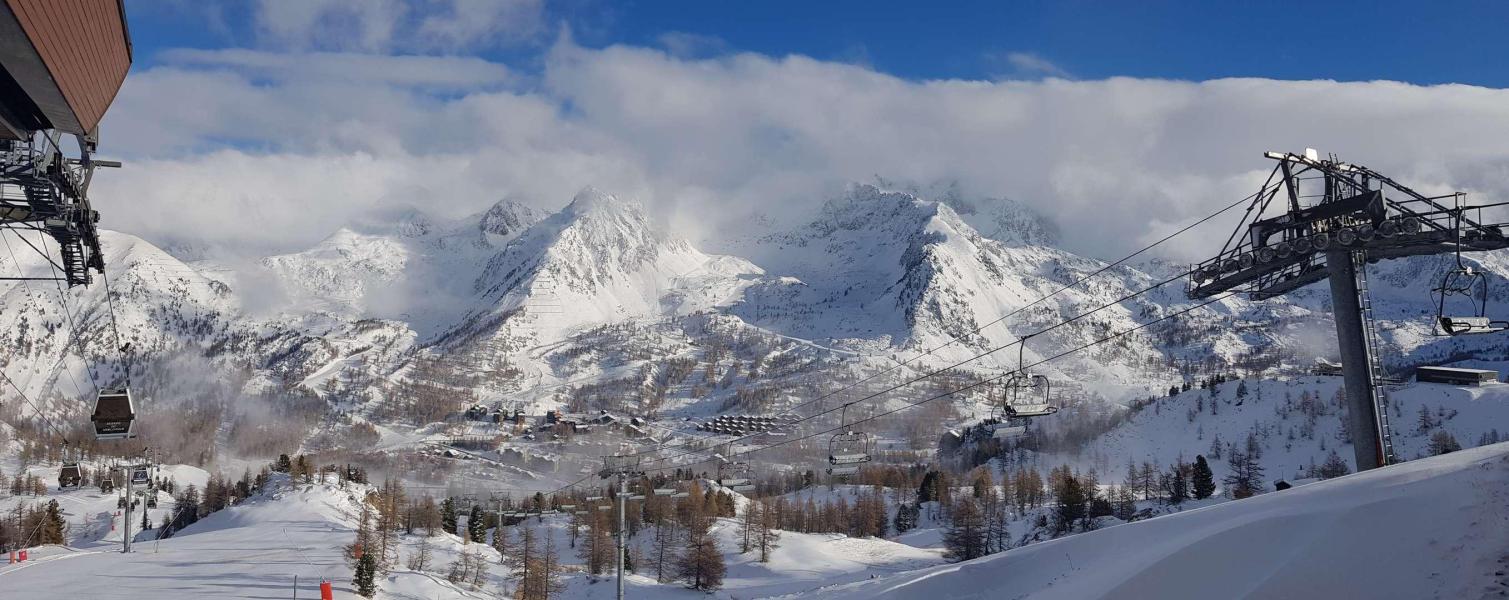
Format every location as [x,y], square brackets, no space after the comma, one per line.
[1455,375]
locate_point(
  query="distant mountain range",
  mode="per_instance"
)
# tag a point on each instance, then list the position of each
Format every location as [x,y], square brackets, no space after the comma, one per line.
[521,306]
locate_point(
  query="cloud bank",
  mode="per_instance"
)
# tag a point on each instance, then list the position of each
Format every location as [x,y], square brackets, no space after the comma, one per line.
[269,151]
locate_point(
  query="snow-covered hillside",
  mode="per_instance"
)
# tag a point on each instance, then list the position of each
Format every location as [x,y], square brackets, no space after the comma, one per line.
[1293,424]
[596,304]
[1433,528]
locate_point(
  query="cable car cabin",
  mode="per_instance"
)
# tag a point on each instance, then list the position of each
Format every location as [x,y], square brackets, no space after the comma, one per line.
[140,477]
[70,476]
[114,415]
[1470,325]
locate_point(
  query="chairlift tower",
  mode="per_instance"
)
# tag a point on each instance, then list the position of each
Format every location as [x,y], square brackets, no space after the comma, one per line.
[624,467]
[1332,219]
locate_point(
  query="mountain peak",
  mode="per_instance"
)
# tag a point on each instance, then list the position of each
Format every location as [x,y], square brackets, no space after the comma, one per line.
[507,218]
[1016,224]
[593,201]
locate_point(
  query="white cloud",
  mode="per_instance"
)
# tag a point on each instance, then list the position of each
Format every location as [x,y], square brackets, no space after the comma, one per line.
[691,45]
[1029,65]
[330,24]
[469,23]
[431,72]
[1117,162]
[383,25]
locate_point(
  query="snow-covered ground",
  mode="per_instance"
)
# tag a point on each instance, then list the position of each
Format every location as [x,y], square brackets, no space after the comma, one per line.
[1432,528]
[1273,412]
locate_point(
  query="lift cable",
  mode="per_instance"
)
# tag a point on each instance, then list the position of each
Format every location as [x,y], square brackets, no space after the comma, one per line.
[949,393]
[976,357]
[115,328]
[946,394]
[1008,315]
[55,429]
[73,331]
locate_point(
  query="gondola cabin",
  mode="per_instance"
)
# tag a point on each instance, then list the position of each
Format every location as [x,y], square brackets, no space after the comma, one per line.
[70,476]
[140,477]
[114,415]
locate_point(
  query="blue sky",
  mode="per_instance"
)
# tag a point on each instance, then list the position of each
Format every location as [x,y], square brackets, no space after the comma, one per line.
[1118,121]
[1416,42]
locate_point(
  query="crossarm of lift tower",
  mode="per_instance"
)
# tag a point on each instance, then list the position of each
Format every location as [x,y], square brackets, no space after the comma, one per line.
[1320,205]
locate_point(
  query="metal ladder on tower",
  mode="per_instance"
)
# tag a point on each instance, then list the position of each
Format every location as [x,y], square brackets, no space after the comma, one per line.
[1375,366]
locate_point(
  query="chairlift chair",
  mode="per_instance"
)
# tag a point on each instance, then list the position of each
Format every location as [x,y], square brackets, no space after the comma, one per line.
[843,472]
[850,447]
[114,415]
[1021,398]
[1471,284]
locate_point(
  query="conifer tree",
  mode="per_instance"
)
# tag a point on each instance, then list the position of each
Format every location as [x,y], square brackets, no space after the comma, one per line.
[1246,475]
[701,566]
[1442,442]
[768,530]
[476,524]
[448,516]
[1203,482]
[965,537]
[1070,498]
[365,578]
[597,550]
[500,542]
[1335,466]
[664,556]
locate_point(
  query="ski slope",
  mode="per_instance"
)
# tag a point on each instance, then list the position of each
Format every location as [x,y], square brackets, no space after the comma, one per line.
[1432,528]
[248,551]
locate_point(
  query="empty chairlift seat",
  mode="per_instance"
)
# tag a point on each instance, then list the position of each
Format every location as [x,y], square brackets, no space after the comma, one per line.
[1471,325]
[114,415]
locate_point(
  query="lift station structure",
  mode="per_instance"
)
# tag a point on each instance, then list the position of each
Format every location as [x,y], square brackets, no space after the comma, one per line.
[1331,219]
[61,65]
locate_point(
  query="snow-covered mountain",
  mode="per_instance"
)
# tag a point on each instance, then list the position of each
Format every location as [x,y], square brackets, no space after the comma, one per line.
[598,260]
[597,293]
